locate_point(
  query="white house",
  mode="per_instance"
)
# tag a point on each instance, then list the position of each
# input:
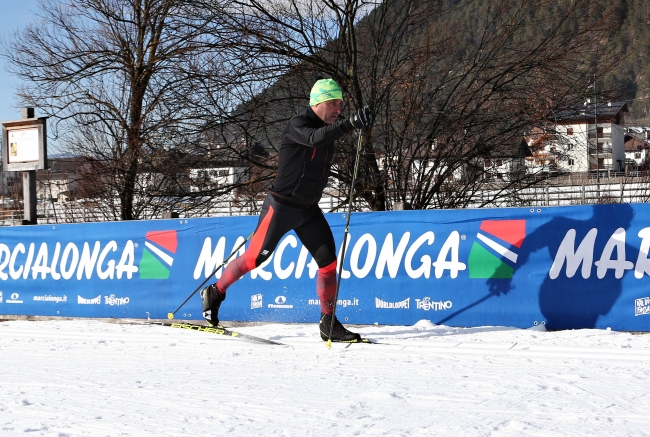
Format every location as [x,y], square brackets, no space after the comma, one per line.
[211,178]
[637,148]
[587,138]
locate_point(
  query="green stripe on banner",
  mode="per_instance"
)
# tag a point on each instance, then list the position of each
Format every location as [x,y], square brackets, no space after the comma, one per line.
[151,268]
[484,265]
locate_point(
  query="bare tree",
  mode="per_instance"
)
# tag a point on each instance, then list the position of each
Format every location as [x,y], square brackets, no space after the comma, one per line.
[149,89]
[114,75]
[451,84]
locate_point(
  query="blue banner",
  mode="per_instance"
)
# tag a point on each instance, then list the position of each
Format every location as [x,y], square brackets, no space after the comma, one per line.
[567,267]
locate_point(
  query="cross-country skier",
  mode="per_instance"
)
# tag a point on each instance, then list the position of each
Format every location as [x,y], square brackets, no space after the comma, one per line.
[306,152]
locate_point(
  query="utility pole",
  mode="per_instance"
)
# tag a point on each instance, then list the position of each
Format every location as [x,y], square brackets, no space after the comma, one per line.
[29,184]
[596,126]
[596,122]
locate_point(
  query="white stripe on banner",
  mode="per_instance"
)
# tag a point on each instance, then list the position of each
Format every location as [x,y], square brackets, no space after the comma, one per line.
[506,253]
[168,259]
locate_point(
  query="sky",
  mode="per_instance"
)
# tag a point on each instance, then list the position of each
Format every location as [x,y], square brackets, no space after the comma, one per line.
[84,377]
[14,14]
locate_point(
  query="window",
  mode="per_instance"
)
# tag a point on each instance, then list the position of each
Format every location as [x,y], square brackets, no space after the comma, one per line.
[571,161]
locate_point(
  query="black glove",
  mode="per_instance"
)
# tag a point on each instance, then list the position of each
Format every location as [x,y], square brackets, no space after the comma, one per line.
[361,118]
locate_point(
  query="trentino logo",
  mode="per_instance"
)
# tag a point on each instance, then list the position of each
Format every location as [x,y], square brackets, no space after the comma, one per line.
[153,256]
[486,259]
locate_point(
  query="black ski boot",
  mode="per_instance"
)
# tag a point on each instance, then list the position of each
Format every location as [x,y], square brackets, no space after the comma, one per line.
[211,298]
[339,333]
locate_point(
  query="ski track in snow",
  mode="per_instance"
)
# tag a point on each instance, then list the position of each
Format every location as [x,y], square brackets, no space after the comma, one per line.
[66,378]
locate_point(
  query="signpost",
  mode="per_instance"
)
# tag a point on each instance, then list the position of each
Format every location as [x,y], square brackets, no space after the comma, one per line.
[25,149]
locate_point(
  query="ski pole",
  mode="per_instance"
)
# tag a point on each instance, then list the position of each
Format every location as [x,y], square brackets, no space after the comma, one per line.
[345,237]
[171,315]
[451,316]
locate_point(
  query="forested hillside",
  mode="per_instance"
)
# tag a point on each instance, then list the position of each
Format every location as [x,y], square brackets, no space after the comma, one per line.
[626,76]
[632,41]
[136,86]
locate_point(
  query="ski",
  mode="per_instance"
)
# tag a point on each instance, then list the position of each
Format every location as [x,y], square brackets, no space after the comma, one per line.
[365,340]
[218,330]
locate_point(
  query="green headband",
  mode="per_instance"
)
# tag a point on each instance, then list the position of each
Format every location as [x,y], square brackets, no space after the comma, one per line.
[324,90]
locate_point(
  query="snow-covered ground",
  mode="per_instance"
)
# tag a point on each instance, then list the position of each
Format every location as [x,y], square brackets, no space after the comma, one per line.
[95,378]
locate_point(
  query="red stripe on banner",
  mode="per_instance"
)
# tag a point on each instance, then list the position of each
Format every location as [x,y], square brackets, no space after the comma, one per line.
[166,239]
[511,231]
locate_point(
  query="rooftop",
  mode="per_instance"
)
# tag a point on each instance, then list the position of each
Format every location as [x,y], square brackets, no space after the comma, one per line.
[607,110]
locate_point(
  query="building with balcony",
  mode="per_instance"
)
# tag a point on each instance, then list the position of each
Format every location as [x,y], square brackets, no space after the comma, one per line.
[589,138]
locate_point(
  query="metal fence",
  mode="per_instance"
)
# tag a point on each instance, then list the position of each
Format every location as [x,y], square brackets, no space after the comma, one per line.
[615,190]
[570,195]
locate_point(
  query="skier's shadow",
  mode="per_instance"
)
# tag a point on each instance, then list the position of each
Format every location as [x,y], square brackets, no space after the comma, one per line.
[574,302]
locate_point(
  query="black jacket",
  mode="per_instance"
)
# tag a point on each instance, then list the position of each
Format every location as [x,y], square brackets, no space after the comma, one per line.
[306,153]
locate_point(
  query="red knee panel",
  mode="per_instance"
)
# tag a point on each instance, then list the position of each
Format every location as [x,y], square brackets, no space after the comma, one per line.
[235,270]
[328,269]
[326,287]
[258,240]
